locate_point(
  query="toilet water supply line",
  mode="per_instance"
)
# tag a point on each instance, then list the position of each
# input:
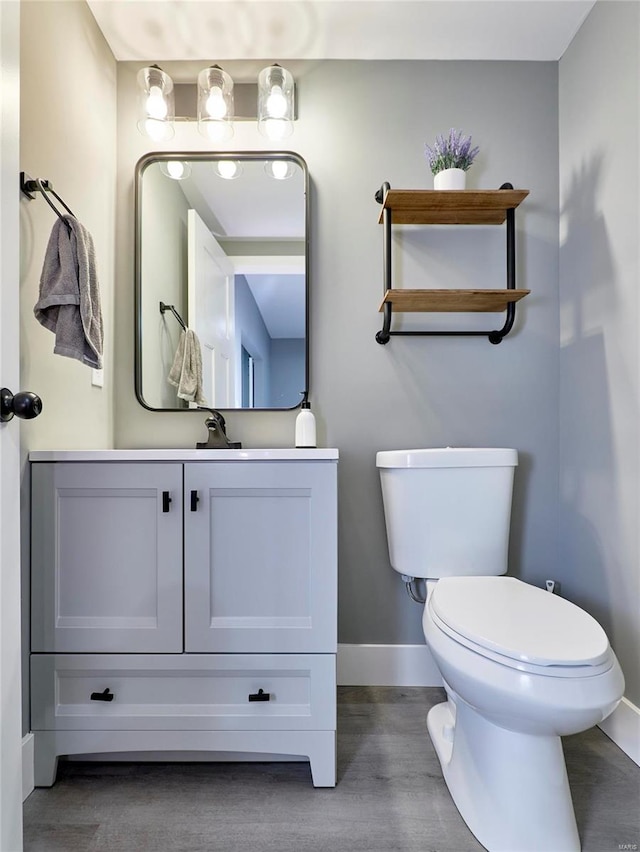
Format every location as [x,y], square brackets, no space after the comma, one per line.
[413,594]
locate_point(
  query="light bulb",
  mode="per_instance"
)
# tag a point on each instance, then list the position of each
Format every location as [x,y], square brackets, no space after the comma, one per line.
[215,106]
[276,103]
[156,105]
[227,169]
[279,169]
[175,169]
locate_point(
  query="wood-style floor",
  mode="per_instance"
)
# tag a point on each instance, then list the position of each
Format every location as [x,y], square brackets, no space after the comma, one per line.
[390,795]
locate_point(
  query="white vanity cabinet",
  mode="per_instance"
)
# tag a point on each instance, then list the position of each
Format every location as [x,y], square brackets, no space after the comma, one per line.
[184,601]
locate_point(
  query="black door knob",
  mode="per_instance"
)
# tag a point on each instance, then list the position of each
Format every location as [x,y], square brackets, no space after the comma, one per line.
[25,404]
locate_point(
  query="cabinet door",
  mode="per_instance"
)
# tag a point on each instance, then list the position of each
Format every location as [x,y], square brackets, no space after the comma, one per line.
[260,557]
[106,557]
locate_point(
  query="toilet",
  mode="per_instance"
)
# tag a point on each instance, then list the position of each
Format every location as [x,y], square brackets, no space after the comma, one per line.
[521,667]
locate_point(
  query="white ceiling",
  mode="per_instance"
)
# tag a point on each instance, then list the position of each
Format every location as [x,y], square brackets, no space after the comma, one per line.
[166,30]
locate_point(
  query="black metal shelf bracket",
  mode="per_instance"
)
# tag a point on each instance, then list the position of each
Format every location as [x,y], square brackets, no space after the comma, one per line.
[496,336]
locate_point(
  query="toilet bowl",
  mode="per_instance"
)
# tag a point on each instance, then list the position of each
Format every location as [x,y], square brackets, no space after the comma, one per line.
[509,701]
[521,667]
[528,660]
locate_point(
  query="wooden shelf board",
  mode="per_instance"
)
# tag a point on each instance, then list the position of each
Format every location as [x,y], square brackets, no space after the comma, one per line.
[445,301]
[451,207]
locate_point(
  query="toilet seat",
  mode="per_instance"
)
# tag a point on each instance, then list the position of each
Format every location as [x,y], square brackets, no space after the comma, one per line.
[520,626]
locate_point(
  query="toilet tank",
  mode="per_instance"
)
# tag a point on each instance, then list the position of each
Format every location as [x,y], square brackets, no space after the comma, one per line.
[447,511]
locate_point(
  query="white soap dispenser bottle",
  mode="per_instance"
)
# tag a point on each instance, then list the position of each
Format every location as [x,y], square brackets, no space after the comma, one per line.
[305,426]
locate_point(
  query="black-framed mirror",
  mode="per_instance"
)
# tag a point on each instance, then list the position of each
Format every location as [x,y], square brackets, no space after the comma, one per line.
[222,250]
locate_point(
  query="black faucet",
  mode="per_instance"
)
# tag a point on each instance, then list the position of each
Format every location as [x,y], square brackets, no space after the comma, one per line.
[217,439]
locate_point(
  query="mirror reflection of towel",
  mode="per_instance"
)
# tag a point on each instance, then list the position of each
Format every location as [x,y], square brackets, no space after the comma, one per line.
[69,299]
[186,370]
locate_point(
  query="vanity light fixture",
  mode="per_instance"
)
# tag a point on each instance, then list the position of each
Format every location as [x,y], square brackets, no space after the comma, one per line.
[155,103]
[228,169]
[215,104]
[279,169]
[175,169]
[275,102]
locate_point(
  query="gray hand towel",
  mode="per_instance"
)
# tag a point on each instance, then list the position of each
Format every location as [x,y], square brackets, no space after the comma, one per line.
[186,370]
[69,302]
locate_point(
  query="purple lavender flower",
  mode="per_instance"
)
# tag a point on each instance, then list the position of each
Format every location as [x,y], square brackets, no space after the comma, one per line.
[452,152]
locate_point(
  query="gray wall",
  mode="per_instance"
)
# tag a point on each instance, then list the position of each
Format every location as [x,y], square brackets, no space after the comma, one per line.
[600,316]
[362,123]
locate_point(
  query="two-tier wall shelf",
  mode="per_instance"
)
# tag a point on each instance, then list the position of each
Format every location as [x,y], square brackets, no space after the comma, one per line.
[450,207]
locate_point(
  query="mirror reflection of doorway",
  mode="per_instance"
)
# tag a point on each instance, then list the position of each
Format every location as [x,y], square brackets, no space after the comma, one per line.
[269,325]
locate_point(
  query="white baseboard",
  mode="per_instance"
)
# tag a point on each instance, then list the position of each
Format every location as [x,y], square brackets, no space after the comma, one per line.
[27,766]
[386,665]
[623,727]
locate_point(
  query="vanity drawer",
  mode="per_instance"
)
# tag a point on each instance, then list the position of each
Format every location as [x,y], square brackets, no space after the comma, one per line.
[183,692]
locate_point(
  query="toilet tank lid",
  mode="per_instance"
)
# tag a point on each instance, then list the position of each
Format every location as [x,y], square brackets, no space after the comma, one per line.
[448,457]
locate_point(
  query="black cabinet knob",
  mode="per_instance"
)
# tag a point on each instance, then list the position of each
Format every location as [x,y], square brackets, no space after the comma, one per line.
[25,404]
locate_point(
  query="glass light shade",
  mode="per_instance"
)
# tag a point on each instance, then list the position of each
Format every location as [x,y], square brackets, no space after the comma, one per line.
[175,169]
[215,104]
[279,169]
[275,102]
[228,169]
[155,103]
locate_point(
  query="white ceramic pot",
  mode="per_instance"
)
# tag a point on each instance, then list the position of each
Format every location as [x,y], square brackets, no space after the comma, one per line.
[450,179]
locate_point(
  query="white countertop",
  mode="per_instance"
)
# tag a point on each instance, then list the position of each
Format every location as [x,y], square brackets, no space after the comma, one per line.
[278,454]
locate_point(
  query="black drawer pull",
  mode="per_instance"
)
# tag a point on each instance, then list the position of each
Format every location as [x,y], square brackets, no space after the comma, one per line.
[194,501]
[107,695]
[260,695]
[166,499]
